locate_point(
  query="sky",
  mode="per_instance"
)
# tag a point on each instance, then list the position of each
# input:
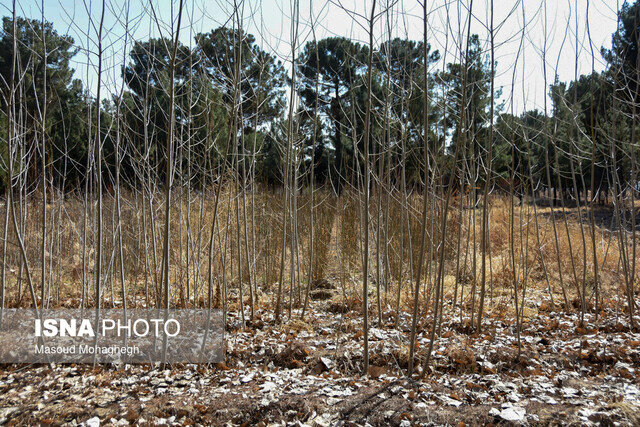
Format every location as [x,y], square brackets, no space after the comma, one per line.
[573,36]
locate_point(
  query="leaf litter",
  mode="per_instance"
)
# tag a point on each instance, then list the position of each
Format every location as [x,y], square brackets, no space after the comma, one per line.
[299,373]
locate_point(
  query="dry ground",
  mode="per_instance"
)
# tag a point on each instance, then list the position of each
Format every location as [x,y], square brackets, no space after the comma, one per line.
[309,373]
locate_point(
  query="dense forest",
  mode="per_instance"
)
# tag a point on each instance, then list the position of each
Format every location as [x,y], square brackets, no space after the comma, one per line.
[391,234]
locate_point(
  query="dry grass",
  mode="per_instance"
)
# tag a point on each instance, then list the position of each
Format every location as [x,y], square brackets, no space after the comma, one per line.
[337,249]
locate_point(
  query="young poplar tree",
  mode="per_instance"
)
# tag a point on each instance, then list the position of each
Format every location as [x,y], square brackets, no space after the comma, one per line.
[366,189]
